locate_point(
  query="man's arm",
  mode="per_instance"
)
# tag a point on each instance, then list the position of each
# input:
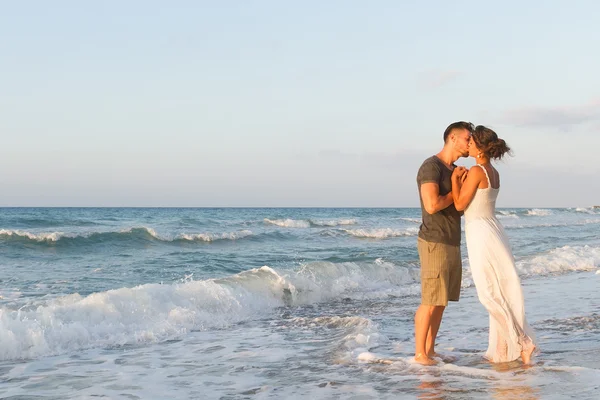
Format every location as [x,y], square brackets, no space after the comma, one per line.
[432,201]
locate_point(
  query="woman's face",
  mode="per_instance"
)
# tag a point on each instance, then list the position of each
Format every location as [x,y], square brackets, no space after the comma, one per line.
[474,151]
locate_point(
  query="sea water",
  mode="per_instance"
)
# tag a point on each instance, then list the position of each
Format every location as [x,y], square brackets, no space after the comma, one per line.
[167,303]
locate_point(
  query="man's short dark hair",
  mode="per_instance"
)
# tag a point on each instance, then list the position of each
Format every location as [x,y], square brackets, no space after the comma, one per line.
[458,125]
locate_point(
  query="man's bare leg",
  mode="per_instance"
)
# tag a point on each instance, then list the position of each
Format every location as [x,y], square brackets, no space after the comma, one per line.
[423,319]
[435,322]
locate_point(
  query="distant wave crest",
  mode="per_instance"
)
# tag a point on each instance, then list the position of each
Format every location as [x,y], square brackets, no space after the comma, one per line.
[307,223]
[587,210]
[133,234]
[539,212]
[506,214]
[382,233]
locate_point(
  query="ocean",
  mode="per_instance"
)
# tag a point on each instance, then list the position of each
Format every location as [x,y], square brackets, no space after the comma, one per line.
[277,303]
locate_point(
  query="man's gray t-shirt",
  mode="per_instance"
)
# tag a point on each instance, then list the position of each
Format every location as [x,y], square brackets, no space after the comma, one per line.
[444,225]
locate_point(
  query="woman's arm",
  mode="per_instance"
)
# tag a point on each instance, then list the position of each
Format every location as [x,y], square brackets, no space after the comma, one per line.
[463,192]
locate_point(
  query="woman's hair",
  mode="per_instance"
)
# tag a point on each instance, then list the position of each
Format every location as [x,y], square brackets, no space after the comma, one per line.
[489,143]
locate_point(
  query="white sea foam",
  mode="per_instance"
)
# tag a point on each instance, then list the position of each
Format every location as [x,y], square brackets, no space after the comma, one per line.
[146,313]
[382,233]
[360,333]
[211,237]
[529,226]
[557,261]
[288,223]
[411,367]
[153,312]
[539,212]
[506,214]
[333,222]
[586,210]
[143,229]
[553,225]
[10,294]
[331,322]
[322,280]
[561,260]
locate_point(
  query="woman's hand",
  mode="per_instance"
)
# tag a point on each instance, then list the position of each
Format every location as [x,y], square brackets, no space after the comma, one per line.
[464,177]
[459,174]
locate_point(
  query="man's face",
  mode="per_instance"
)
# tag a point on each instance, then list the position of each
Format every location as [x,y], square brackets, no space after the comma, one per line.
[461,140]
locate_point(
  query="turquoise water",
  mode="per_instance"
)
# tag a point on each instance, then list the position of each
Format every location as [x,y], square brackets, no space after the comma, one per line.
[271,303]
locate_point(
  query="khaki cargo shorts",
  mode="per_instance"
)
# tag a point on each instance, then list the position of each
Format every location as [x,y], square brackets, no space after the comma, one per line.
[441,272]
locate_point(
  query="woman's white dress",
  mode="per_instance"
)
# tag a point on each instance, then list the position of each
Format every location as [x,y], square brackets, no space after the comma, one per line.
[495,276]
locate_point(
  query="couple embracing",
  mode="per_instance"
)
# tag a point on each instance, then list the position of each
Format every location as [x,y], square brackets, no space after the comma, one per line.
[447,190]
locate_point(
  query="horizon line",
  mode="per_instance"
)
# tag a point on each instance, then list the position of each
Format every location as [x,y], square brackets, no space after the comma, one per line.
[281,207]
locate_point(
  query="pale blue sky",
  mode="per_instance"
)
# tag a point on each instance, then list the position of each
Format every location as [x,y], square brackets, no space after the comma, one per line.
[269,103]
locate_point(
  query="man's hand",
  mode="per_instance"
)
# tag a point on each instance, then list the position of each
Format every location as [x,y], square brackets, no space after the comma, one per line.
[459,174]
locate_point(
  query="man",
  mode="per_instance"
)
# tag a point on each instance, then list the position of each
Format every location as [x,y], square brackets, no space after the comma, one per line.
[439,239]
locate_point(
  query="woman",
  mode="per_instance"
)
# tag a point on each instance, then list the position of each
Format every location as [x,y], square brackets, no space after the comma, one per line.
[490,256]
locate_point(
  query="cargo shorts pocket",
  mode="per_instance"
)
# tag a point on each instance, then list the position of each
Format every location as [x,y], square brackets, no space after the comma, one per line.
[429,273]
[431,265]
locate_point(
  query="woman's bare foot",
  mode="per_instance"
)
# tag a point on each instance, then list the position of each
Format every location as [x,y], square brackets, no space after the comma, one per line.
[527,352]
[423,359]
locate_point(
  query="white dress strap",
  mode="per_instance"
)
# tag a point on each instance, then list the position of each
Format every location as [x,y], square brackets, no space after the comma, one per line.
[486,175]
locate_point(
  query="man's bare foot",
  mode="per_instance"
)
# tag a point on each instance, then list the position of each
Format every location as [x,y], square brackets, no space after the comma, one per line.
[445,358]
[434,354]
[424,360]
[526,353]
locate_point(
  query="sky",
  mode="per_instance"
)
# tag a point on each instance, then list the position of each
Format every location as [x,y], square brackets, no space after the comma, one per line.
[291,104]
